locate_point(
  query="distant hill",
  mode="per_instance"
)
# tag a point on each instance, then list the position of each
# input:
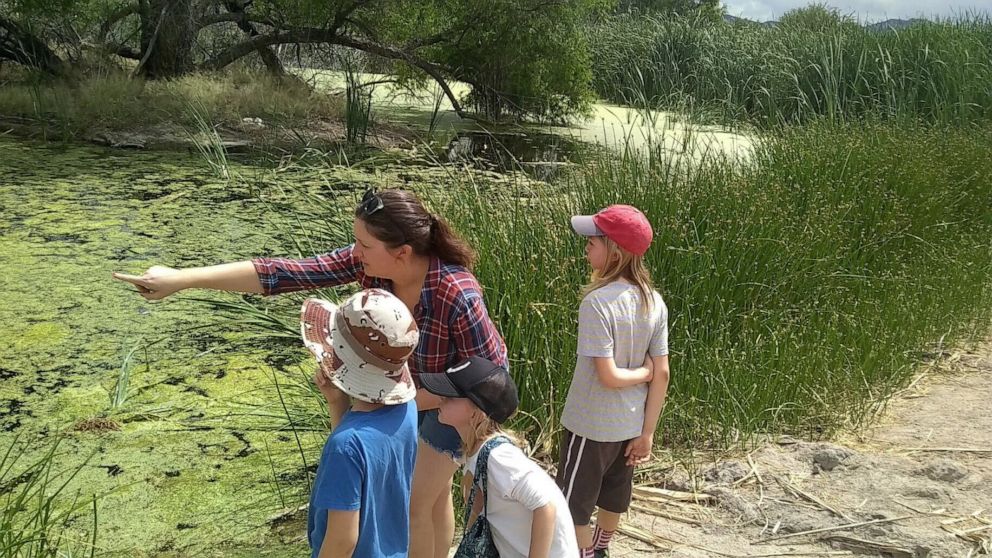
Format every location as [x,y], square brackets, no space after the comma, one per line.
[887,25]
[890,24]
[733,19]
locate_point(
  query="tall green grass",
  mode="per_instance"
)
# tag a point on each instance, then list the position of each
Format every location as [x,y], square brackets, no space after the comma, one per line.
[207,141]
[120,393]
[802,69]
[39,518]
[802,287]
[358,116]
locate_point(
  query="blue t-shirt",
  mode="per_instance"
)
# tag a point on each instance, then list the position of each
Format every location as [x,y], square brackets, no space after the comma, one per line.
[367,465]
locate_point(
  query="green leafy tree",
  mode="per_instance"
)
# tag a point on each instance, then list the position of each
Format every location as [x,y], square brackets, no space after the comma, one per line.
[682,7]
[520,57]
[530,56]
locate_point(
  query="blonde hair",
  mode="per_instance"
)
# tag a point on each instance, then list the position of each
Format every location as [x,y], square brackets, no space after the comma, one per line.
[621,264]
[484,429]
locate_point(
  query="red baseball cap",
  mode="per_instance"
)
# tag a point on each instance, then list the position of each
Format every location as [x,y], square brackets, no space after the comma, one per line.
[623,224]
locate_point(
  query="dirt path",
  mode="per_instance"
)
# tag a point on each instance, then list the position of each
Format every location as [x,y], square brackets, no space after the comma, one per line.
[917,503]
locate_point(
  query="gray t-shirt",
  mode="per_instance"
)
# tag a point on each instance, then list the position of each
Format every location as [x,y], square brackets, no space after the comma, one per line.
[613,323]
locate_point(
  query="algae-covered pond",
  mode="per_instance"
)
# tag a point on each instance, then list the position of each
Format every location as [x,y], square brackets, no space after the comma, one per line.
[196,456]
[184,468]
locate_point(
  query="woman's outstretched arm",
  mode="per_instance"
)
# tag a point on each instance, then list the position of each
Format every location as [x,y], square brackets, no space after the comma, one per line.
[261,275]
[160,281]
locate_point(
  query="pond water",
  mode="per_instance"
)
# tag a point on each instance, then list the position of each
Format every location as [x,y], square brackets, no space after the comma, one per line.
[608,126]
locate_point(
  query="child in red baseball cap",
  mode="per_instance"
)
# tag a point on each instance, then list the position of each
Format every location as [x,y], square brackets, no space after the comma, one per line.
[621,375]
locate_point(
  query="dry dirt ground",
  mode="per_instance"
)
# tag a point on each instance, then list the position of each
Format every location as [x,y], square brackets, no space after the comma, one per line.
[918,484]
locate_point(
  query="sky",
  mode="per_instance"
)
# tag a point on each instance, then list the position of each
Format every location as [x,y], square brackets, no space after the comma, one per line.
[868,11]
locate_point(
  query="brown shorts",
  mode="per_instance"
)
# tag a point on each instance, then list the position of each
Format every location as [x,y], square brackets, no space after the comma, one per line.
[592,474]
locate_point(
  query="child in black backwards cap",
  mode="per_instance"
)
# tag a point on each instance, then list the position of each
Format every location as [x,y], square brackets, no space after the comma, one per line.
[526,511]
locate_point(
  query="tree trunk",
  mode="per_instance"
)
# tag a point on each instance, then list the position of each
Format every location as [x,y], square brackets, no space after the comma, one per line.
[168,32]
[272,61]
[22,46]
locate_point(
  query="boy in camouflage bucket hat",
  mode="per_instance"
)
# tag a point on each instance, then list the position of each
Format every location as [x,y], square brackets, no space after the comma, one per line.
[360,501]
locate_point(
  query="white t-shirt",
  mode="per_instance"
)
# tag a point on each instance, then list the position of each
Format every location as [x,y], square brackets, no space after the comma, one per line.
[516,487]
[613,323]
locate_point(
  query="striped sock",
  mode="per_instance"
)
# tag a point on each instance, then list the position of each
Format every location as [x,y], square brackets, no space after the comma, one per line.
[587,553]
[601,538]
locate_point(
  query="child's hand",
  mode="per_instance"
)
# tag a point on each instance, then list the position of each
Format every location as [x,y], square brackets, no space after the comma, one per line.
[639,450]
[649,364]
[336,399]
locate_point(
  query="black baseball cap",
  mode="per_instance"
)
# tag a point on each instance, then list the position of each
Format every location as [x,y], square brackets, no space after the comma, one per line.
[483,382]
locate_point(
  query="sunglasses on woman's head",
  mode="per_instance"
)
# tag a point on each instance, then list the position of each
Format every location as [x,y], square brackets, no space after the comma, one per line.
[371,202]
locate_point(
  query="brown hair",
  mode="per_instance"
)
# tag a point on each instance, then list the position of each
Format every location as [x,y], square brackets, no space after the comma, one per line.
[621,264]
[403,219]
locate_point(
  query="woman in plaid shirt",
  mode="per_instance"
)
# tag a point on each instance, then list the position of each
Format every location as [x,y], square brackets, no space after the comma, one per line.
[403,248]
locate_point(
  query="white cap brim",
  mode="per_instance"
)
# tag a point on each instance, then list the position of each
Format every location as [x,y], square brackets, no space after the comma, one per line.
[583,225]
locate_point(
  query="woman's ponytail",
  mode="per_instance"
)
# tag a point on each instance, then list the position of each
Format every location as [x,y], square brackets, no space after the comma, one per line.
[448,246]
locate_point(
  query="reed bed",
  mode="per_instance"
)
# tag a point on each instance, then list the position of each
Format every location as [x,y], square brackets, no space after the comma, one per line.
[813,64]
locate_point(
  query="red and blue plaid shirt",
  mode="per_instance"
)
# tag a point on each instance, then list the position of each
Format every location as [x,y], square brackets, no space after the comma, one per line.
[452,317]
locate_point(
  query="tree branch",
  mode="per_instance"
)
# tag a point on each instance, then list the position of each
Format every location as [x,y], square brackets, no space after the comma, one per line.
[436,71]
[363,27]
[428,41]
[123,51]
[246,23]
[115,17]
[340,17]
[441,37]
[235,17]
[328,36]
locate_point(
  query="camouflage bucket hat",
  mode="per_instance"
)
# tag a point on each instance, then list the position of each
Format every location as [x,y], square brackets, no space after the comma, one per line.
[363,345]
